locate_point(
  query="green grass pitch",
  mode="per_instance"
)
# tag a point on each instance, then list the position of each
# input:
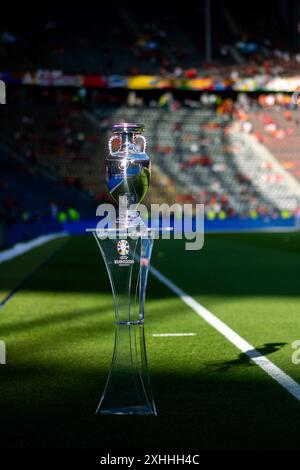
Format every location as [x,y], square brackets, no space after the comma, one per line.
[59,333]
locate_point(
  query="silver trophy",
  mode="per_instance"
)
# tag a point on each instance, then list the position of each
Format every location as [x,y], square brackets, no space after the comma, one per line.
[127,260]
[127,170]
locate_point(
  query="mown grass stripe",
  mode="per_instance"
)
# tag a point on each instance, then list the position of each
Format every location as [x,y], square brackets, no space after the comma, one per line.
[264,363]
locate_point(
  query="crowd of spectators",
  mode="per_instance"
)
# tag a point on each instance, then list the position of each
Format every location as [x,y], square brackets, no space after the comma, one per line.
[59,137]
[45,144]
[137,48]
[246,112]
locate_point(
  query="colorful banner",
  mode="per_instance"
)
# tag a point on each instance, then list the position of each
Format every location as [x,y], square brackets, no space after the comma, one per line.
[261,83]
[51,78]
[94,81]
[283,84]
[147,82]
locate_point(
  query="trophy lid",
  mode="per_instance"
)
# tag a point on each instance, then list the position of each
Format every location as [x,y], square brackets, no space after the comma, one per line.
[125,127]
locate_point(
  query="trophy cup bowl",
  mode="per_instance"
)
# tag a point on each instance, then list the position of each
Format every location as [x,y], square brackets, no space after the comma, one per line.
[128,168]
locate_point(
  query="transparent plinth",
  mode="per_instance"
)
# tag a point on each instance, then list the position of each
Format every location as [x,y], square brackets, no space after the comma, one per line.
[128,388]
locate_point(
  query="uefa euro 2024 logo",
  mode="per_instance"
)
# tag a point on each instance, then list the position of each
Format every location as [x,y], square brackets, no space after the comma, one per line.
[123,251]
[123,247]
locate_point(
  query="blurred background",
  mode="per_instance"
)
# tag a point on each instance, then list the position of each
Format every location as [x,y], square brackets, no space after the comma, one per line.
[216,85]
[213,85]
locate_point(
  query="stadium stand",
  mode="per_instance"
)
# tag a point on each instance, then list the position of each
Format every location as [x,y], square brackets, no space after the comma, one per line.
[16,179]
[278,130]
[33,201]
[199,155]
[64,140]
[208,160]
[124,42]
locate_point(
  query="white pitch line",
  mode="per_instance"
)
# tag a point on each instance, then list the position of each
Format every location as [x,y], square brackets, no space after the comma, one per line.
[21,248]
[264,363]
[173,334]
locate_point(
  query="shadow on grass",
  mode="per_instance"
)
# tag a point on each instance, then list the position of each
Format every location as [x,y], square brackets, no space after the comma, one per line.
[245,359]
[61,318]
[53,407]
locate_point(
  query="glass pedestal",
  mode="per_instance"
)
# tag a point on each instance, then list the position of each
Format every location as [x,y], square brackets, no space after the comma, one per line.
[128,389]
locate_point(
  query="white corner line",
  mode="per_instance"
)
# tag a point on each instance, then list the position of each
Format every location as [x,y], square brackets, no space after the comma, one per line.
[290,385]
[21,248]
[157,335]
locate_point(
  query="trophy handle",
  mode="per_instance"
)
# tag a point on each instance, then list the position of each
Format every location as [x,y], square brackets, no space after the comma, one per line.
[114,137]
[143,139]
